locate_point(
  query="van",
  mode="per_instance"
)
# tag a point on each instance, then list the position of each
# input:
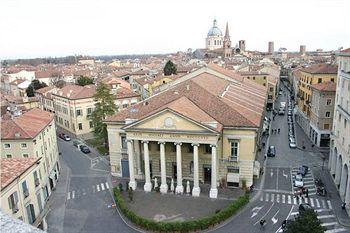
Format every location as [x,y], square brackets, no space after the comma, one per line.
[77,142]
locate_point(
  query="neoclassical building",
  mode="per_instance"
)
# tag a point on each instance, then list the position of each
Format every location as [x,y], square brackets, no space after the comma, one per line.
[203,128]
[340,137]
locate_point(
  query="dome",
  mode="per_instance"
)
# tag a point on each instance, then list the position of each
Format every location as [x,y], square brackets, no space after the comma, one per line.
[214,31]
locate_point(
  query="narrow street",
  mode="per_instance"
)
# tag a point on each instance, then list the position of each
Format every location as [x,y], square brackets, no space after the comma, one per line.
[83,201]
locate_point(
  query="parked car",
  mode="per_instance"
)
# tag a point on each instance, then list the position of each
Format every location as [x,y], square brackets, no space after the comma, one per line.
[77,142]
[85,149]
[292,143]
[281,112]
[303,207]
[63,136]
[290,113]
[303,170]
[298,181]
[271,152]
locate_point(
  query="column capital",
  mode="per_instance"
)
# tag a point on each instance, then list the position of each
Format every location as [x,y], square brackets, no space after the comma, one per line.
[213,145]
[161,142]
[177,143]
[144,141]
[195,144]
[129,140]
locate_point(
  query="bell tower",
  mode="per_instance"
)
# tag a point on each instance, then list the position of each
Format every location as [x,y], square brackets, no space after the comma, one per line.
[227,43]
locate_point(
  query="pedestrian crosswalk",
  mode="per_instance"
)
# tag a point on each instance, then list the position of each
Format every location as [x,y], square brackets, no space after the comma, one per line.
[84,191]
[293,200]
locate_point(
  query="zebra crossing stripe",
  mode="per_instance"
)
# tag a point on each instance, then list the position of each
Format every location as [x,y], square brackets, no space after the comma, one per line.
[262,198]
[294,213]
[336,230]
[326,216]
[278,198]
[329,204]
[73,194]
[266,197]
[283,198]
[98,188]
[328,224]
[68,196]
[312,202]
[93,189]
[324,204]
[102,186]
[318,203]
[295,201]
[107,186]
[289,200]
[306,200]
[272,197]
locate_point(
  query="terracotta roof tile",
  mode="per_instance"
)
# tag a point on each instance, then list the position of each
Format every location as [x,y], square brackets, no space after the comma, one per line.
[325,86]
[322,68]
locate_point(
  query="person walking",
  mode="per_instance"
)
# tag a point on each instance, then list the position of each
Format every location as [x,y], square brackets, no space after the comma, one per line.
[262,223]
[279,130]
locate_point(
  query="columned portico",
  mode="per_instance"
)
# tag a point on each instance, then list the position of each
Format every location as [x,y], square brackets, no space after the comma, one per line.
[179,187]
[148,185]
[196,189]
[132,182]
[213,189]
[164,185]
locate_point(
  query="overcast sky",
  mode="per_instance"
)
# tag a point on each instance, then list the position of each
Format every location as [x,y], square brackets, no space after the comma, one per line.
[37,28]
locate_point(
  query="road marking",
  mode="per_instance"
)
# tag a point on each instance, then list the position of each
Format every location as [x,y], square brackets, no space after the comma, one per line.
[102,186]
[324,204]
[265,214]
[275,220]
[295,201]
[289,200]
[336,230]
[277,180]
[73,194]
[312,202]
[285,175]
[290,212]
[84,192]
[328,224]
[283,198]
[266,197]
[272,197]
[329,204]
[262,197]
[107,186]
[98,188]
[306,200]
[321,210]
[294,213]
[326,216]
[271,173]
[256,210]
[93,189]
[308,186]
[317,203]
[68,196]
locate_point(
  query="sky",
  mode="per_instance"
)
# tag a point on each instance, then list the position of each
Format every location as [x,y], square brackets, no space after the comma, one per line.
[49,28]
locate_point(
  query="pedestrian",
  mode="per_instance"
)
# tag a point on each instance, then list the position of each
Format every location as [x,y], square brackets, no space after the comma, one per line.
[301,194]
[262,223]
[279,130]
[307,192]
[343,205]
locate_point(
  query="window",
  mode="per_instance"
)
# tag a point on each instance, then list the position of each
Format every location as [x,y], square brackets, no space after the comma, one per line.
[264,84]
[23,145]
[125,105]
[326,126]
[79,112]
[271,89]
[25,189]
[91,124]
[13,200]
[36,179]
[124,144]
[7,146]
[234,150]
[328,114]
[207,149]
[319,80]
[328,101]
[232,169]
[80,126]
[332,79]
[253,78]
[345,122]
[30,213]
[89,111]
[9,156]
[264,77]
[25,155]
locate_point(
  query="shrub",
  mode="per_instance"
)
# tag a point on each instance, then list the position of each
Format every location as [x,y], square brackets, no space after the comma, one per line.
[183,226]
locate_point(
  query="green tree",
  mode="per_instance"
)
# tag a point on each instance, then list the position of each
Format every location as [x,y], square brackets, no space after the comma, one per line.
[169,68]
[104,107]
[35,85]
[83,81]
[305,222]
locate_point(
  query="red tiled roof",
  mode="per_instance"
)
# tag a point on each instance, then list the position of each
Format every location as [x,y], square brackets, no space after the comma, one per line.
[13,168]
[45,89]
[325,86]
[26,126]
[76,92]
[346,50]
[322,68]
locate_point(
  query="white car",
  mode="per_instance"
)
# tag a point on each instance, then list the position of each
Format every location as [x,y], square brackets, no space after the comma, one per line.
[298,181]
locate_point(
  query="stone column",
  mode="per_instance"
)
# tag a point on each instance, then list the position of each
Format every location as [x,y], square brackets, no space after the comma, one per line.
[163,186]
[138,159]
[196,189]
[132,182]
[148,185]
[179,188]
[213,189]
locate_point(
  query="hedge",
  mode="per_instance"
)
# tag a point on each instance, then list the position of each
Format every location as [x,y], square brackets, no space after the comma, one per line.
[180,226]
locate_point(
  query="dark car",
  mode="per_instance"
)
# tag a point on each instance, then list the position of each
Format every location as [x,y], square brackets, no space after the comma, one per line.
[84,149]
[303,170]
[303,207]
[271,152]
[64,136]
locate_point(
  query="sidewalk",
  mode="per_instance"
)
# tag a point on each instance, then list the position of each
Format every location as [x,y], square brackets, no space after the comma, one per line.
[57,201]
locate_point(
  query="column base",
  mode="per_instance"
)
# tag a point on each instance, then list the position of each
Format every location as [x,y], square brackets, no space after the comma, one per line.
[179,189]
[147,187]
[163,188]
[213,193]
[196,191]
[133,184]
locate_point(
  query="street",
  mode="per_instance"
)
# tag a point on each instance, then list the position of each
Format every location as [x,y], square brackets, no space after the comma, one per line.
[83,202]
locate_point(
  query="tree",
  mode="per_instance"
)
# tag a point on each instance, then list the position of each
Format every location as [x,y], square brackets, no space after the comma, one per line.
[83,81]
[35,85]
[104,107]
[305,222]
[169,68]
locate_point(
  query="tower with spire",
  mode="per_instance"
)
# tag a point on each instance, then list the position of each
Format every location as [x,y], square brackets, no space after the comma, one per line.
[227,43]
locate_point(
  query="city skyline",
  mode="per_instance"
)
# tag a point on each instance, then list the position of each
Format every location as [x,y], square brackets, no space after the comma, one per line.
[62,28]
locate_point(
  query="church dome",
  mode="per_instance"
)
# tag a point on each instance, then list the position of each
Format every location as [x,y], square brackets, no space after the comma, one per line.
[214,31]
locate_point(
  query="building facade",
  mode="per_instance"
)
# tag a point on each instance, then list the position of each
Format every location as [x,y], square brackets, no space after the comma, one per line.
[340,138]
[202,129]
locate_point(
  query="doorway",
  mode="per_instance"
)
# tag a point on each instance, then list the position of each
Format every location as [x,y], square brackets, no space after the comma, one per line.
[174,170]
[207,173]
